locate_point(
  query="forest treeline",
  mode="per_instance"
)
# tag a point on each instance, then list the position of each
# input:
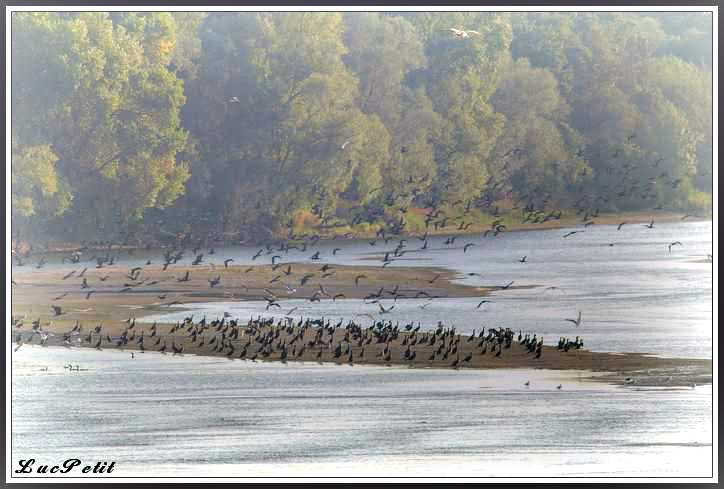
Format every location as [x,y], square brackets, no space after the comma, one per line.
[155,123]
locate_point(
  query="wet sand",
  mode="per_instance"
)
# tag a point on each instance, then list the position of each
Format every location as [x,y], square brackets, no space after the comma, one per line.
[155,290]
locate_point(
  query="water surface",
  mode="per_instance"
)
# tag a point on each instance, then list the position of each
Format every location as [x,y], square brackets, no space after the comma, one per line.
[160,415]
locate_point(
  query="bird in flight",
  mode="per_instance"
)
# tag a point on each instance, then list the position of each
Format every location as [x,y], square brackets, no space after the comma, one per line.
[620,226]
[227,261]
[383,310]
[465,248]
[576,321]
[503,287]
[572,233]
[462,33]
[674,244]
[481,303]
[434,278]
[522,260]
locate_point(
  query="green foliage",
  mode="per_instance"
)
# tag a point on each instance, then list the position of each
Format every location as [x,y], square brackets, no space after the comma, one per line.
[38,190]
[106,105]
[252,119]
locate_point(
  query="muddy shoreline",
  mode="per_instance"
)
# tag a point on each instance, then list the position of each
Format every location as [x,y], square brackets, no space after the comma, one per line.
[117,298]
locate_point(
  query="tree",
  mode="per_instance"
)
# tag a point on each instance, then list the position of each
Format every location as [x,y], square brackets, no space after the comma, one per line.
[99,95]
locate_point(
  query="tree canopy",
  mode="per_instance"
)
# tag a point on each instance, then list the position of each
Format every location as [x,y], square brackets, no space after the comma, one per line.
[162,122]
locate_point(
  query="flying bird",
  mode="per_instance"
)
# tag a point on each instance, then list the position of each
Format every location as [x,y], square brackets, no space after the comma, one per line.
[577,321]
[434,278]
[462,33]
[674,244]
[383,310]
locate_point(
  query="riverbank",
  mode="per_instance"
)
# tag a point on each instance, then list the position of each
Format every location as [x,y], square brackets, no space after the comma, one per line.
[478,223]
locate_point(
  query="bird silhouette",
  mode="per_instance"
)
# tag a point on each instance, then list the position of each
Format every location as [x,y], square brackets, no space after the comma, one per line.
[383,310]
[576,321]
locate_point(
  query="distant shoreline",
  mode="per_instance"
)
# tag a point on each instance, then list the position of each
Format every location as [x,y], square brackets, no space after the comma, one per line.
[632,217]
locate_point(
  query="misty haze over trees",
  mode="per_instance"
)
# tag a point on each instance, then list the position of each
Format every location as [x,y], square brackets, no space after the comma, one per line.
[248,124]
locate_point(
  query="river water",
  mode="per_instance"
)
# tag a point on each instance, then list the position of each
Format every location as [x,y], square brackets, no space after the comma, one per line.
[159,415]
[635,296]
[189,416]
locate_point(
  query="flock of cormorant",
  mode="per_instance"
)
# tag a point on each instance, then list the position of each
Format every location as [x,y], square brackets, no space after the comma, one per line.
[316,338]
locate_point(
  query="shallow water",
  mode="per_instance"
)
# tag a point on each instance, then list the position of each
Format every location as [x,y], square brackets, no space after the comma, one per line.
[634,296]
[160,415]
